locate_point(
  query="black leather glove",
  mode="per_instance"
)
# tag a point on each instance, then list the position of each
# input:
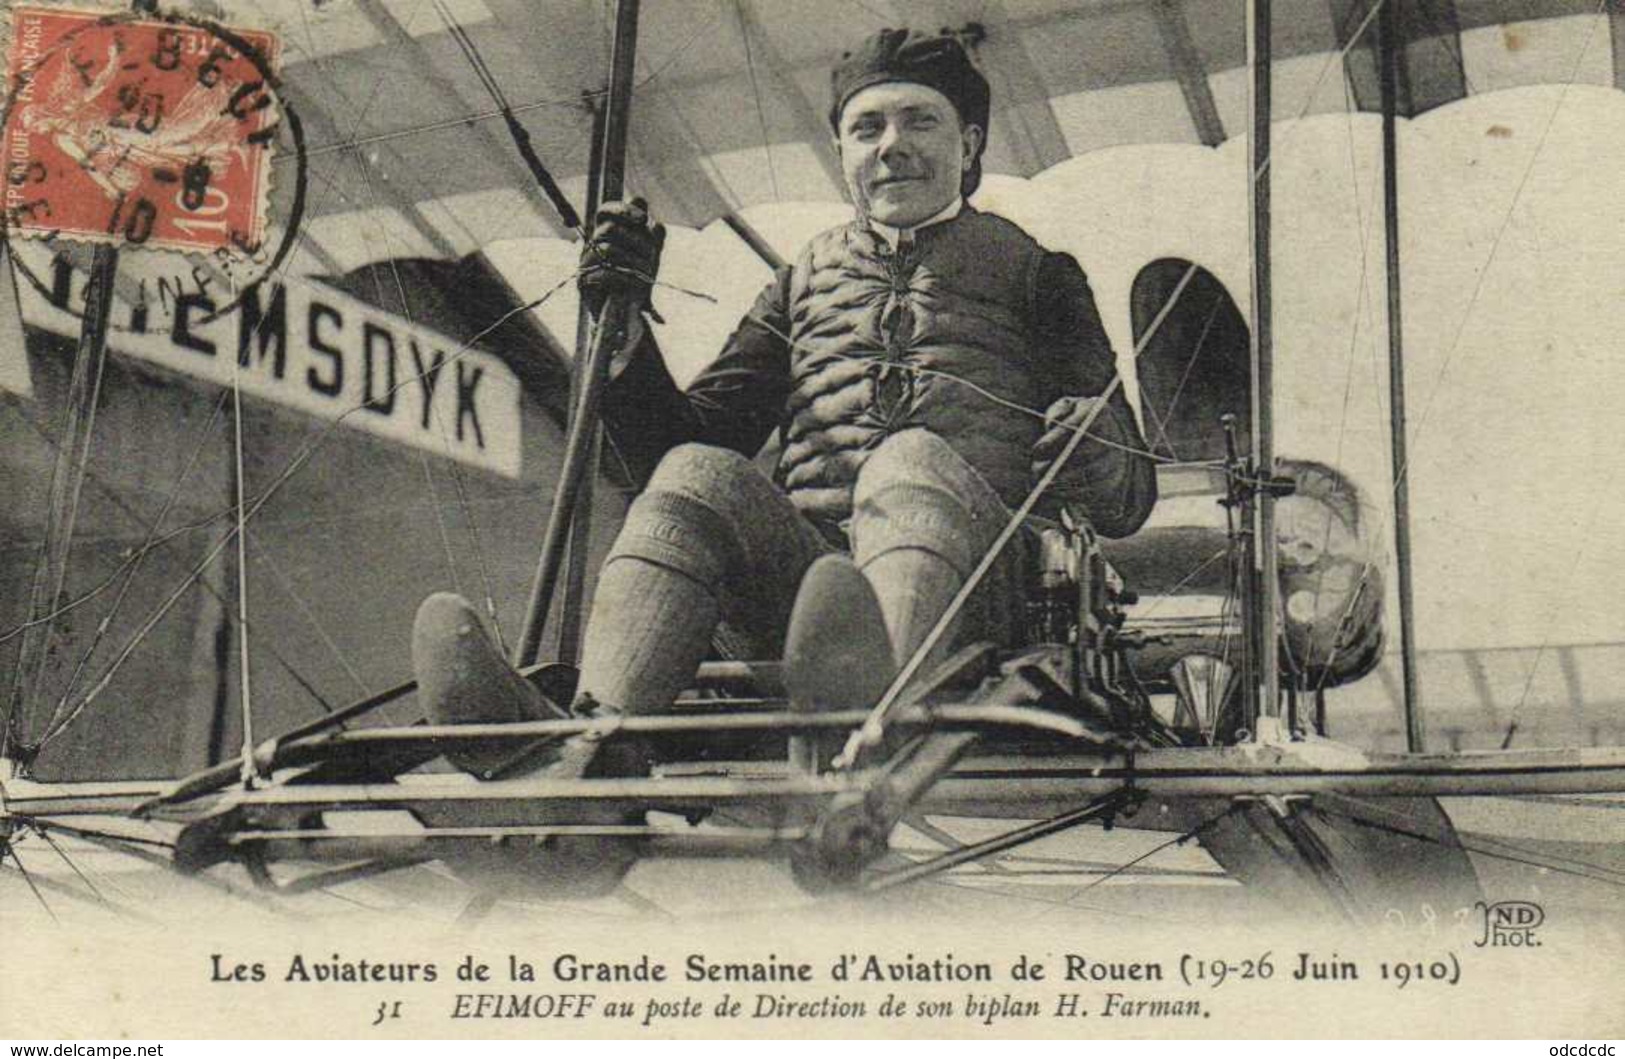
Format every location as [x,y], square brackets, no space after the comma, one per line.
[622,256]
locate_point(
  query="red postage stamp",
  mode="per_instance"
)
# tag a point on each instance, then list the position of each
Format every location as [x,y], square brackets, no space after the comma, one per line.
[140,131]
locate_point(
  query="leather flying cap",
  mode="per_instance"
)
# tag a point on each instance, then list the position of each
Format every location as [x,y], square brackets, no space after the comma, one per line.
[937,61]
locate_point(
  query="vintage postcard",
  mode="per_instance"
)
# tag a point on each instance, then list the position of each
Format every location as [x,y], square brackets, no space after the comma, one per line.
[730,518]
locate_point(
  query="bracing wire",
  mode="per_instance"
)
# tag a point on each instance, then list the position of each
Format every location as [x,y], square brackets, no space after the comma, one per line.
[1366,230]
[192,577]
[107,582]
[135,555]
[133,567]
[1184,377]
[1482,274]
[1173,590]
[423,458]
[322,633]
[60,852]
[56,546]
[28,877]
[1506,224]
[300,458]
[1546,640]
[1177,840]
[1399,818]
[1580,869]
[756,91]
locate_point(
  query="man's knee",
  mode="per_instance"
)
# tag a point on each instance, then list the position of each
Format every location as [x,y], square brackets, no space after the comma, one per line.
[705,472]
[915,491]
[690,516]
[913,457]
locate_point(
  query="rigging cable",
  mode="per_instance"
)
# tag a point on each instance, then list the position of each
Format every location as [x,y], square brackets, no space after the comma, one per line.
[246,702]
[9,846]
[1184,377]
[1527,858]
[1399,818]
[60,852]
[434,411]
[1506,223]
[1546,639]
[282,582]
[756,91]
[57,729]
[520,135]
[243,516]
[1177,840]
[1478,288]
[49,579]
[298,461]
[131,568]
[1364,301]
[362,166]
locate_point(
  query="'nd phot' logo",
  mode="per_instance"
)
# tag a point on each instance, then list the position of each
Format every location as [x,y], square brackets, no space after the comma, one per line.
[1510,924]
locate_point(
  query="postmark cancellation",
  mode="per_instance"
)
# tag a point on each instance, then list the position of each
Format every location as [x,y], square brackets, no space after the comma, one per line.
[138,130]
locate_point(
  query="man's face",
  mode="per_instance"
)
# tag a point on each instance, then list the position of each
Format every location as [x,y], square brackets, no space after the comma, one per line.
[903,151]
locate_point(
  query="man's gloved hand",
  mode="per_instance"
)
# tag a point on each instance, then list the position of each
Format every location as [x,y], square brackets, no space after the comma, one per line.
[1061,420]
[622,256]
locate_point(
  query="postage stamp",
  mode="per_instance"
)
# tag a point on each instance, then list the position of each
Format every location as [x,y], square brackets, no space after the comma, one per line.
[139,131]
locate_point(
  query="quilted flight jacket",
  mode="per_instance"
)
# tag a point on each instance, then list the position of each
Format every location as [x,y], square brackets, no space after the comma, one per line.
[955,333]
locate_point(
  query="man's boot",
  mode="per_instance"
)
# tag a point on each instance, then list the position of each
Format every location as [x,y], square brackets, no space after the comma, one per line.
[464,679]
[837,655]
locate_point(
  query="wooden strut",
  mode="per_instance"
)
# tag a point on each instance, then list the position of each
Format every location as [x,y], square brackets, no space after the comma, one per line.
[613,321]
[67,479]
[572,609]
[1264,692]
[766,676]
[1388,46]
[1104,807]
[981,780]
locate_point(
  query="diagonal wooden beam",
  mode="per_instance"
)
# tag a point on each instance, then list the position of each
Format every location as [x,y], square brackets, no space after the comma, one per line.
[1421,27]
[1025,121]
[1187,63]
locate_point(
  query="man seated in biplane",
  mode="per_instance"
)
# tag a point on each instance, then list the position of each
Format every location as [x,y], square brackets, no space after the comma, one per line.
[921,367]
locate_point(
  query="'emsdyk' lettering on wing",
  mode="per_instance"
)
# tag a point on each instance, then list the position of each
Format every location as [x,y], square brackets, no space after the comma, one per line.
[304,345]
